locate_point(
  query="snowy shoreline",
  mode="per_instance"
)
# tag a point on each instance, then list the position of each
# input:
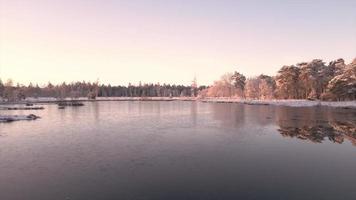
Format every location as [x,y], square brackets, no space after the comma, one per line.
[289,102]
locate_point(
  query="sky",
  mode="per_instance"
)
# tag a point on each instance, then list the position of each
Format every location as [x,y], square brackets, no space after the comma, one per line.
[168,41]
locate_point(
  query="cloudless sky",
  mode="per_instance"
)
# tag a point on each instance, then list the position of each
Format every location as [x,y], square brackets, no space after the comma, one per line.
[168,41]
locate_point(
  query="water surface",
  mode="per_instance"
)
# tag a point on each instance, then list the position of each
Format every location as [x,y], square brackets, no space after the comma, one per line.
[179,150]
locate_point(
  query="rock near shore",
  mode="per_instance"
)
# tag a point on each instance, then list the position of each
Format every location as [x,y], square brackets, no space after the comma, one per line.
[11,118]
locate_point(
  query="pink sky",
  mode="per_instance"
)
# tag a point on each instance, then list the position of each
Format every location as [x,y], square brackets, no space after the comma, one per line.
[119,42]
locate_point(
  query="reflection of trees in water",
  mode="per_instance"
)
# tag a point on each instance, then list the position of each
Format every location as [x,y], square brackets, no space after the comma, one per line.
[314,124]
[348,129]
[315,134]
[317,124]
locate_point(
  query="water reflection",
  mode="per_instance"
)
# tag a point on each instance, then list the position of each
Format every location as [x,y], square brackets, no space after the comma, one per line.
[311,124]
[193,113]
[335,131]
[178,150]
[318,124]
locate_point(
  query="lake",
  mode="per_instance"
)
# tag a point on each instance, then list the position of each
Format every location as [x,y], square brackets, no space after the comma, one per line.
[179,150]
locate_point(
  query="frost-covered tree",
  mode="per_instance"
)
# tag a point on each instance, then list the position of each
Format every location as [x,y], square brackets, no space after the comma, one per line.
[230,84]
[267,87]
[8,90]
[222,88]
[2,88]
[311,79]
[287,82]
[336,67]
[252,88]
[238,81]
[343,86]
[219,89]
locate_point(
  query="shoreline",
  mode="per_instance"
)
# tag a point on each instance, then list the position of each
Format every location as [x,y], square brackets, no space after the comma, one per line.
[281,102]
[274,102]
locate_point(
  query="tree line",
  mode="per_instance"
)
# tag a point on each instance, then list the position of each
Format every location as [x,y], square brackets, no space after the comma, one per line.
[16,92]
[306,80]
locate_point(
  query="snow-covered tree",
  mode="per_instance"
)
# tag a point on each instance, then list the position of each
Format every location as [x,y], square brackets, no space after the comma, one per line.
[222,88]
[267,87]
[229,85]
[238,80]
[252,88]
[311,79]
[287,82]
[2,88]
[343,86]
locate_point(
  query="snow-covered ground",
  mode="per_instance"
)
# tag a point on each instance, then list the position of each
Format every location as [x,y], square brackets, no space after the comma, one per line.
[289,102]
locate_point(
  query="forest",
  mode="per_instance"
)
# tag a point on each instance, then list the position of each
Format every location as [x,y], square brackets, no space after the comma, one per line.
[314,80]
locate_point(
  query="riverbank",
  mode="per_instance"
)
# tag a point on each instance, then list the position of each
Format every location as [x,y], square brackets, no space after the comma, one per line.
[289,102]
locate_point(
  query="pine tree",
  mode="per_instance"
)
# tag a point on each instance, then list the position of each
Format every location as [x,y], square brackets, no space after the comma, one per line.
[239,81]
[343,86]
[287,82]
